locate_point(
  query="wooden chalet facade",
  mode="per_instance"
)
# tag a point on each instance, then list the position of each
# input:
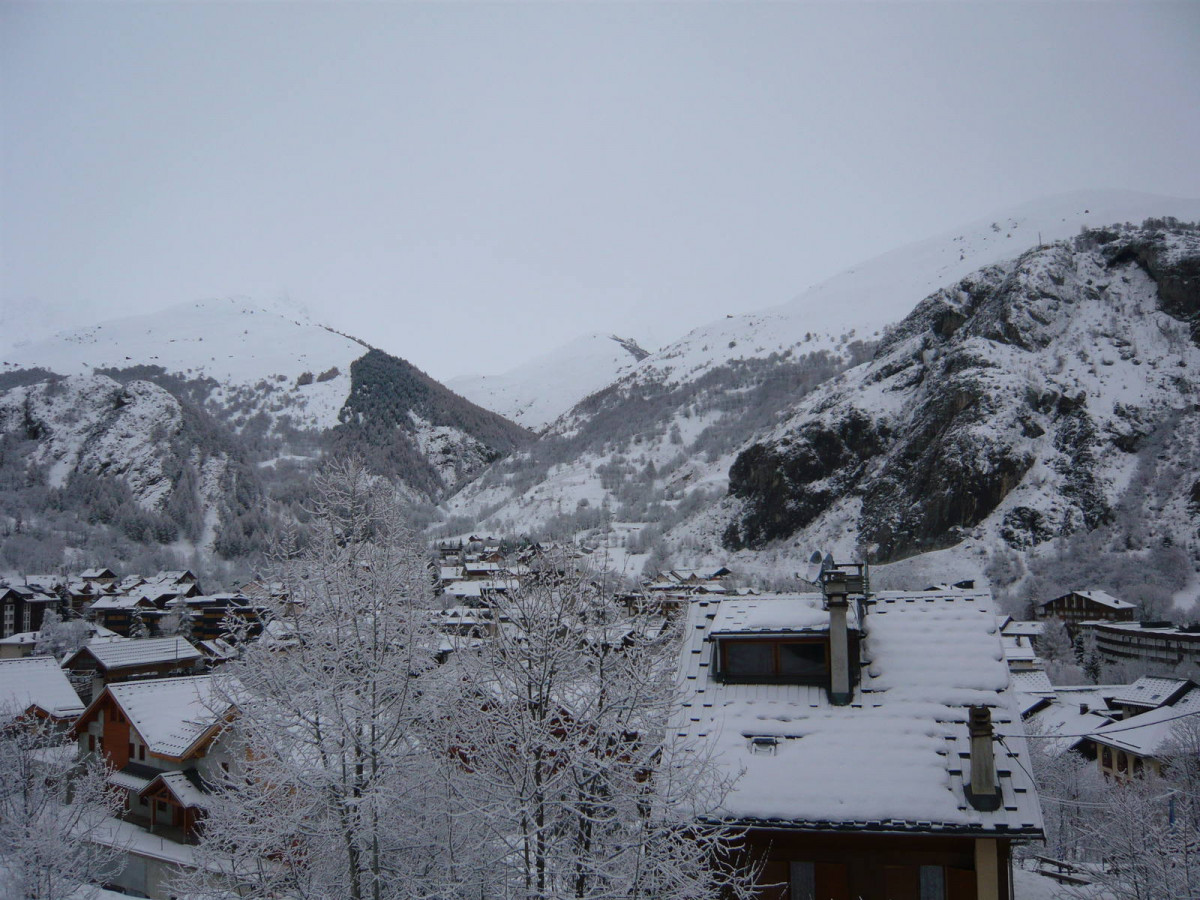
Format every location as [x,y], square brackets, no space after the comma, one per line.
[879,754]
[161,738]
[1086,606]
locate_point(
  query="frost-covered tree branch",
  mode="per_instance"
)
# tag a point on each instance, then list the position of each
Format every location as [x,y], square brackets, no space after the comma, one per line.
[50,809]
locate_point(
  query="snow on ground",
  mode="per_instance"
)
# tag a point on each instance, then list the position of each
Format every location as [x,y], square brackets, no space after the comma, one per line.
[1029,885]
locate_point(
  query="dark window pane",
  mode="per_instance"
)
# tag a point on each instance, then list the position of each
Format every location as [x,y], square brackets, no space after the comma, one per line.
[747,658]
[802,659]
[804,884]
[933,883]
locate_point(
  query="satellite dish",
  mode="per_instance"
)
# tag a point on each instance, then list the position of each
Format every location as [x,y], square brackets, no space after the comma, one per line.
[816,565]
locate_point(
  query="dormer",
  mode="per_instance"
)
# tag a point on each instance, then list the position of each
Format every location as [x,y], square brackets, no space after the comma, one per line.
[780,639]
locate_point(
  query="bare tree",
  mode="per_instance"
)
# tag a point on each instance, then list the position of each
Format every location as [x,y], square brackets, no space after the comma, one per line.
[332,792]
[50,809]
[564,752]
[1145,850]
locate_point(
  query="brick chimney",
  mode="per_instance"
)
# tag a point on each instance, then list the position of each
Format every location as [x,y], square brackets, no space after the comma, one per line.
[983,791]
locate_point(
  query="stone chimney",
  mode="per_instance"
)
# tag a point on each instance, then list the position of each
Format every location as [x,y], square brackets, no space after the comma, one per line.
[983,791]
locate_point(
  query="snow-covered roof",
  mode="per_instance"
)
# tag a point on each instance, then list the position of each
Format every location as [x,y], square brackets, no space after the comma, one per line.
[895,758]
[1149,733]
[1031,687]
[1034,681]
[133,777]
[170,714]
[477,588]
[121,602]
[217,649]
[1151,691]
[30,593]
[1017,628]
[185,787]
[120,654]
[1100,597]
[773,614]
[201,600]
[36,681]
[1017,648]
[21,638]
[1063,723]
[44,582]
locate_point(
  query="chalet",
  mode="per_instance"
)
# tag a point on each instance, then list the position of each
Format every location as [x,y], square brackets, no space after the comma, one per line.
[476,592]
[23,607]
[181,578]
[121,612]
[1144,742]
[1149,692]
[476,570]
[704,581]
[101,662]
[38,687]
[217,616]
[448,550]
[79,594]
[878,752]
[162,738]
[1086,606]
[101,578]
[467,621]
[448,574]
[699,576]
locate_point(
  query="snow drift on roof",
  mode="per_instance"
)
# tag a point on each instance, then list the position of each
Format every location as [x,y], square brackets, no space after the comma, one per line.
[36,681]
[896,758]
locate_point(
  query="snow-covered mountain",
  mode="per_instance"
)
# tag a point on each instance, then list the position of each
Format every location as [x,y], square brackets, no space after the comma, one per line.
[1047,396]
[862,301]
[653,451]
[271,363]
[87,450]
[197,427]
[538,392]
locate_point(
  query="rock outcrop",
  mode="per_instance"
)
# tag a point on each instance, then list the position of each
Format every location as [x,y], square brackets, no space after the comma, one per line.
[1020,401]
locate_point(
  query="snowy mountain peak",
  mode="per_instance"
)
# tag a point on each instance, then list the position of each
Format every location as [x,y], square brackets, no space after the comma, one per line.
[233,342]
[538,392]
[860,302]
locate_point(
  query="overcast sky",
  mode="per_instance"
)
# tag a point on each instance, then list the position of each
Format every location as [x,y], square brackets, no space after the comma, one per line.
[468,185]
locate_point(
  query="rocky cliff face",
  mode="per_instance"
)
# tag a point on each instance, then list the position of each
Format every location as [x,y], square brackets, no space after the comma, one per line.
[130,456]
[1032,399]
